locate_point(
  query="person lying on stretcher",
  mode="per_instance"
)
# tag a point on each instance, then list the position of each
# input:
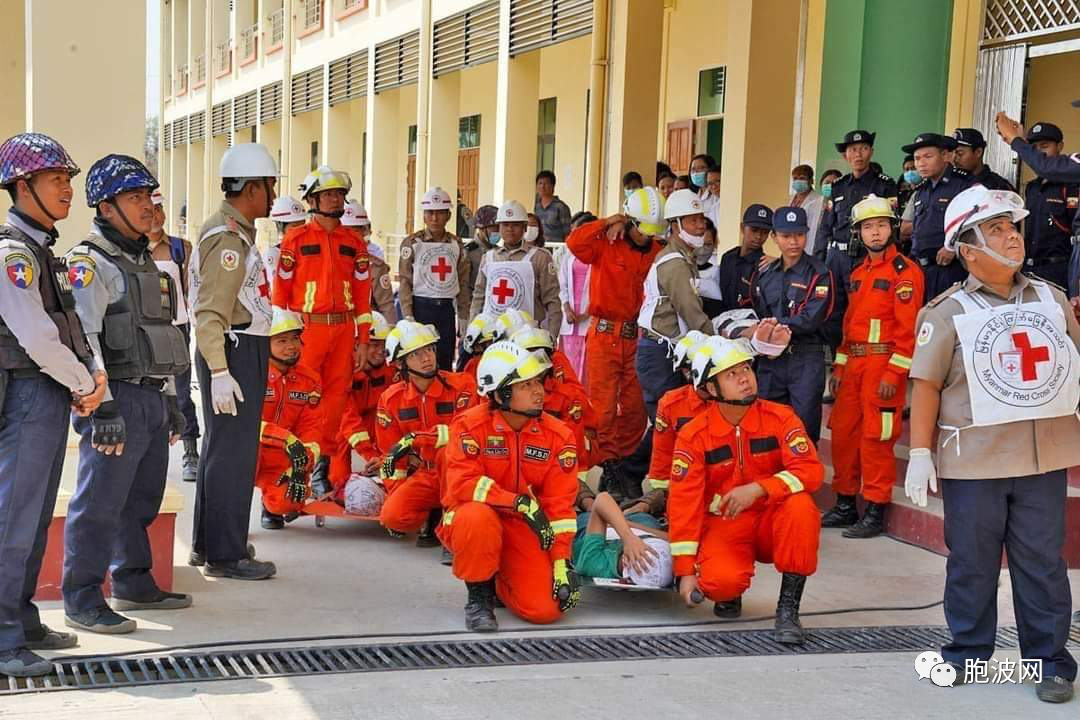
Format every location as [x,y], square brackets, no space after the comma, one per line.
[639,556]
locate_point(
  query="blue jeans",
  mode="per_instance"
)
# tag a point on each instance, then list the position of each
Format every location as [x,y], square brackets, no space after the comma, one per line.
[655,373]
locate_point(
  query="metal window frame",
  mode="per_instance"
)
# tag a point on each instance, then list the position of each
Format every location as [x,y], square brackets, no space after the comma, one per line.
[307,91]
[397,61]
[270,102]
[348,77]
[466,39]
[539,23]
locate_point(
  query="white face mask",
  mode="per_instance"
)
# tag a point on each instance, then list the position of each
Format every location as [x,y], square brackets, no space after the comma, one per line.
[694,241]
[531,233]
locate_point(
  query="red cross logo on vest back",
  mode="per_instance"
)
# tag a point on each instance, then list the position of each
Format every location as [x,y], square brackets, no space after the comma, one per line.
[1029,356]
[442,268]
[503,291]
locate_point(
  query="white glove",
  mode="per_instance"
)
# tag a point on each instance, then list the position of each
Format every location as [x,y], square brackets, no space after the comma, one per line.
[224,392]
[920,474]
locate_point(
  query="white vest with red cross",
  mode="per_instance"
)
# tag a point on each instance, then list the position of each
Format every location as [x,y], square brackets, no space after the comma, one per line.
[435,269]
[510,284]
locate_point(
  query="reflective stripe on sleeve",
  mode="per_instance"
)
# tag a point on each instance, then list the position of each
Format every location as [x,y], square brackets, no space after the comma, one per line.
[841,359]
[658,484]
[686,547]
[564,526]
[794,484]
[900,361]
[358,437]
[483,486]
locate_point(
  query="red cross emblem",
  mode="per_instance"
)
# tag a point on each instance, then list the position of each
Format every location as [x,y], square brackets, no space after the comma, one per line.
[1029,356]
[503,292]
[442,268]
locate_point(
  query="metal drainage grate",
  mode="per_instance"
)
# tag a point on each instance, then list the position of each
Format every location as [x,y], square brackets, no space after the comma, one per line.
[88,673]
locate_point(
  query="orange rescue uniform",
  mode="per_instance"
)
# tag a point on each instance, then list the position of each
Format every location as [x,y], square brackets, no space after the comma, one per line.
[770,446]
[676,408]
[879,339]
[326,278]
[567,402]
[292,406]
[488,464]
[357,431]
[403,409]
[616,291]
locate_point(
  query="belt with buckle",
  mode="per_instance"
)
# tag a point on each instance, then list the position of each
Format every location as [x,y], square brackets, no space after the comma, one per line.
[839,245]
[325,318]
[626,329]
[152,383]
[803,348]
[1075,239]
[864,349]
[650,335]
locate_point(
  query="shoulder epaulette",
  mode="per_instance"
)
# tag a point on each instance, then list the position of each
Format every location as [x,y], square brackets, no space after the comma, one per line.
[960,172]
[900,264]
[955,287]
[1040,278]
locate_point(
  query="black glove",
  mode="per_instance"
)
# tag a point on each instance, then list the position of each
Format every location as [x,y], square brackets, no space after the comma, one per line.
[320,478]
[397,451]
[177,421]
[567,586]
[298,454]
[108,425]
[296,490]
[536,519]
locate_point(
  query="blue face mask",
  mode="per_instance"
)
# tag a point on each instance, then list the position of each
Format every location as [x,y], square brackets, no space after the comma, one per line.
[493,238]
[912,177]
[628,192]
[799,186]
[698,179]
[826,190]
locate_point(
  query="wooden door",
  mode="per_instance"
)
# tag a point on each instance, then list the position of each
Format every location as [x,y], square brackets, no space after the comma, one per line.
[680,145]
[410,194]
[468,176]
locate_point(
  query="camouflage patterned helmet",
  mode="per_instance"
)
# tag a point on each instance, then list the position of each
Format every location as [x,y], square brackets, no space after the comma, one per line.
[485,216]
[115,174]
[27,154]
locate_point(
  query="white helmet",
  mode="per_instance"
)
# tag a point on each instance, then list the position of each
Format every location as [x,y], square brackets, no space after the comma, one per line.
[355,215]
[646,205]
[436,199]
[533,338]
[243,162]
[481,329]
[510,322]
[682,351]
[717,355]
[975,206]
[287,209]
[512,211]
[504,364]
[363,496]
[682,203]
[409,336]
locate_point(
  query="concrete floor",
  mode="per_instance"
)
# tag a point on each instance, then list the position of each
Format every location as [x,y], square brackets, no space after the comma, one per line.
[351,578]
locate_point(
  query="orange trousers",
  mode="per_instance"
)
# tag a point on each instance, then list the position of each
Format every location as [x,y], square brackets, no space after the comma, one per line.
[487,543]
[272,463]
[865,430]
[613,388]
[328,352]
[785,534]
[409,502]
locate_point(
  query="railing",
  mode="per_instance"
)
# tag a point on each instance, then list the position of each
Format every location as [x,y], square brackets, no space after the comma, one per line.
[182,75]
[277,26]
[249,41]
[200,69]
[222,58]
[312,13]
[350,4]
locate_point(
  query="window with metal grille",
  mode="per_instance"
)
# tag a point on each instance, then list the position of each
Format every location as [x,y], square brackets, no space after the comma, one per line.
[354,4]
[249,42]
[397,61]
[348,77]
[466,39]
[1018,19]
[166,136]
[200,69]
[312,13]
[270,102]
[412,139]
[219,119]
[223,58]
[277,26]
[711,85]
[545,135]
[197,126]
[180,134]
[536,23]
[469,132]
[244,107]
[307,91]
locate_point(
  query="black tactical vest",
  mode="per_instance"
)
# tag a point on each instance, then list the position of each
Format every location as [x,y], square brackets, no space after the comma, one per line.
[59,303]
[137,337]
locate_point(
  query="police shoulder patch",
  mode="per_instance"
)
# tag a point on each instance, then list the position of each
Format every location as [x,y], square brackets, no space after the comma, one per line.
[81,271]
[20,269]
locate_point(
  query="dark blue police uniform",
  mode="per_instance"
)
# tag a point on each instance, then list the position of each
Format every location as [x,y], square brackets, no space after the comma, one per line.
[736,269]
[1052,202]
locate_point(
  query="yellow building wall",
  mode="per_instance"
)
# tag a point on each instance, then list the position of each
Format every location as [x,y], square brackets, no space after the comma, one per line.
[697,40]
[564,74]
[967,27]
[478,98]
[811,107]
[1049,98]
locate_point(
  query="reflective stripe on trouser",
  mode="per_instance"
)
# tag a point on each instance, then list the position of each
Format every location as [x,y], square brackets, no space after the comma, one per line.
[115,500]
[32,444]
[230,452]
[785,534]
[488,543]
[441,314]
[409,502]
[615,393]
[868,429]
[655,374]
[1026,516]
[272,463]
[328,352]
[797,379]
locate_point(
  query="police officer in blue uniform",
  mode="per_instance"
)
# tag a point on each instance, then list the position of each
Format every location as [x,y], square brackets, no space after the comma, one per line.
[46,369]
[834,232]
[738,265]
[941,183]
[970,147]
[1052,202]
[797,290]
[126,305]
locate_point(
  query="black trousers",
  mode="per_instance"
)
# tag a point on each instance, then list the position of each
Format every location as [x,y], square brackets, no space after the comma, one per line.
[230,451]
[441,314]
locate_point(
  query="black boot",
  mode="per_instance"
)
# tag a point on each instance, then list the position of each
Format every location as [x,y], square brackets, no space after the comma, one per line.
[480,607]
[871,524]
[270,521]
[728,609]
[788,629]
[842,514]
[426,537]
[189,471]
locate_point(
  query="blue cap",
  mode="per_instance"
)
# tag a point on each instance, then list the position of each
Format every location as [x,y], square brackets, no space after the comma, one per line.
[758,216]
[790,220]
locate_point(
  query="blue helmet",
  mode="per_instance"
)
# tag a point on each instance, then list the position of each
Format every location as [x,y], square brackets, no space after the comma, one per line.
[114,174]
[28,153]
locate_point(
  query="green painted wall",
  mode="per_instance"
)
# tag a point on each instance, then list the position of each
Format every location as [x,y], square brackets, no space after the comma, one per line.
[886,68]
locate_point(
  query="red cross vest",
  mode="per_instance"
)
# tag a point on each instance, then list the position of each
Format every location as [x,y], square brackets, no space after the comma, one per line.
[510,284]
[435,269]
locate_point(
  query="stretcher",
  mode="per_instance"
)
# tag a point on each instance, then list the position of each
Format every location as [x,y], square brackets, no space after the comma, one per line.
[625,585]
[322,509]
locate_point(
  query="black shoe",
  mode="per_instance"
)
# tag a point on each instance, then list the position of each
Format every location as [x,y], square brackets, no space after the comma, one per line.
[100,620]
[23,663]
[480,607]
[189,471]
[842,514]
[610,481]
[447,558]
[270,521]
[1054,689]
[728,609]
[242,570]
[961,674]
[197,559]
[871,524]
[48,639]
[788,629]
[426,538]
[161,601]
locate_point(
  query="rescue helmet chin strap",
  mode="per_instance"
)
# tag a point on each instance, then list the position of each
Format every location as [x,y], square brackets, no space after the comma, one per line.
[984,247]
[403,366]
[41,205]
[717,396]
[502,402]
[336,214]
